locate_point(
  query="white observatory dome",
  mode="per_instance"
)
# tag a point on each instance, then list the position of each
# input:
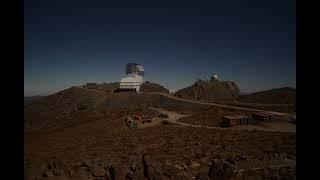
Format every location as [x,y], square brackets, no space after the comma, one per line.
[134,77]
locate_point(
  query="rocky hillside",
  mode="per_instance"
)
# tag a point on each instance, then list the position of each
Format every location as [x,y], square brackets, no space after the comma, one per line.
[153,87]
[284,95]
[210,91]
[76,105]
[80,133]
[62,108]
[106,87]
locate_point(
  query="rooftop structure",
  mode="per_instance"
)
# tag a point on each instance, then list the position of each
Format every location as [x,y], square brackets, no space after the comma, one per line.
[237,120]
[214,78]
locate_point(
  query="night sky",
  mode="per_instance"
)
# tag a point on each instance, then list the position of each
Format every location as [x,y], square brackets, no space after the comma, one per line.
[72,42]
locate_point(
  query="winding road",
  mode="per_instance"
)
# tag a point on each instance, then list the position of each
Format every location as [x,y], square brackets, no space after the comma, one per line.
[217,105]
[173,118]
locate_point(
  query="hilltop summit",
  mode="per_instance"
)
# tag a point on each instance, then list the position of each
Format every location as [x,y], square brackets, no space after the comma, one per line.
[210,91]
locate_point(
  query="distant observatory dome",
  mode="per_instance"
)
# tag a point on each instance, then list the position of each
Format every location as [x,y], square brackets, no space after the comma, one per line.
[214,78]
[134,68]
[133,79]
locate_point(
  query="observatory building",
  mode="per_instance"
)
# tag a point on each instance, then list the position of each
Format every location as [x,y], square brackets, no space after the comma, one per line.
[133,79]
[214,78]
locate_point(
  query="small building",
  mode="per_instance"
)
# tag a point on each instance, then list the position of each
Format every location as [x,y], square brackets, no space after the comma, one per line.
[214,78]
[282,116]
[262,116]
[236,120]
[270,116]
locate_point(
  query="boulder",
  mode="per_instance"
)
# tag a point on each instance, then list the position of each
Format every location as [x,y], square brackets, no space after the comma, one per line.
[185,166]
[98,171]
[221,169]
[194,164]
[177,166]
[83,173]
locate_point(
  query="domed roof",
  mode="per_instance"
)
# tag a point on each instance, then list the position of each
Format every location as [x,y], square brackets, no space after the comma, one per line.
[134,68]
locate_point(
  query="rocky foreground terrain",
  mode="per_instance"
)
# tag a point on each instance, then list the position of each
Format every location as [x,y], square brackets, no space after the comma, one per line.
[80,133]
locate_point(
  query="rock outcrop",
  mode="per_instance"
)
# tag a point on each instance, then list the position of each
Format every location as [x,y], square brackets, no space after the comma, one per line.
[210,91]
[146,167]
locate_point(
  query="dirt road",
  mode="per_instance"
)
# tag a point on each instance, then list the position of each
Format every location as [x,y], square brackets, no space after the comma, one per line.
[174,117]
[217,105]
